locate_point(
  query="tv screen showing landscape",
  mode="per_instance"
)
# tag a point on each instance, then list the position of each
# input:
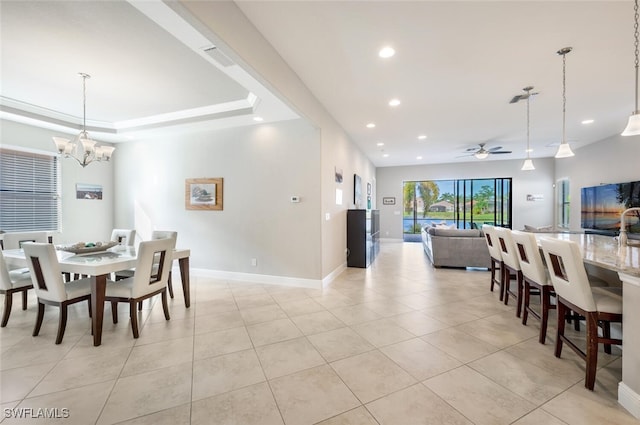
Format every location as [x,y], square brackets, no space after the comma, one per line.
[602,206]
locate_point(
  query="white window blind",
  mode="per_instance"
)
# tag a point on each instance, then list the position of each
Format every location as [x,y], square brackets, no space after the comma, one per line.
[29,191]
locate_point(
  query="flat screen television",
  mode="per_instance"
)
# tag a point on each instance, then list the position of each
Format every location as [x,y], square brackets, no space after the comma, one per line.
[602,205]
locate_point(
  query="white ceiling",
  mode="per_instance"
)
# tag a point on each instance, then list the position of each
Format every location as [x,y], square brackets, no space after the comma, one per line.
[457,66]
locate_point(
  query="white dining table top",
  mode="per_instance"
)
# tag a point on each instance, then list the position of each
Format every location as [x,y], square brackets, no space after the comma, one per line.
[603,251]
[97,263]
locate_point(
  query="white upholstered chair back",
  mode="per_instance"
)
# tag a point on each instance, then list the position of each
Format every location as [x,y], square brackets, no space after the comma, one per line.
[5,278]
[164,234]
[45,271]
[155,258]
[14,240]
[491,237]
[529,256]
[567,272]
[507,248]
[124,237]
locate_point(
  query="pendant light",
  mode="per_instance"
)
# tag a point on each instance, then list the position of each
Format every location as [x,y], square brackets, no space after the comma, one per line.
[564,150]
[528,163]
[633,126]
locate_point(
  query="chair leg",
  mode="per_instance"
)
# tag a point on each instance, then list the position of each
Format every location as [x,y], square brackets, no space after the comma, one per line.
[140,306]
[592,350]
[519,299]
[562,311]
[170,286]
[89,307]
[525,302]
[606,333]
[506,278]
[8,301]
[165,305]
[133,314]
[39,319]
[62,323]
[545,301]
[24,299]
[114,311]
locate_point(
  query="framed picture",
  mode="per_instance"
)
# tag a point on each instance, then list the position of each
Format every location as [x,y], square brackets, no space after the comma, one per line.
[88,191]
[357,190]
[203,194]
[388,201]
[368,188]
[338,174]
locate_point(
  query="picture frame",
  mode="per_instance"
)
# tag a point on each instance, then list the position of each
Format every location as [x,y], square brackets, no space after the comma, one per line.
[203,194]
[89,191]
[357,190]
[368,189]
[389,201]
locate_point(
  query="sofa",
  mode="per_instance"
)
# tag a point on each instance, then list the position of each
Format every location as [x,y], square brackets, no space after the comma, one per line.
[455,247]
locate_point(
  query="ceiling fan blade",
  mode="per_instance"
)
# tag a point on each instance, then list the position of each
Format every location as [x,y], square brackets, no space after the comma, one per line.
[497,148]
[497,152]
[517,98]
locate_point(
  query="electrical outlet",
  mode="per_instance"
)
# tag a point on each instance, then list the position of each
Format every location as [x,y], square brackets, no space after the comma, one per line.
[254,262]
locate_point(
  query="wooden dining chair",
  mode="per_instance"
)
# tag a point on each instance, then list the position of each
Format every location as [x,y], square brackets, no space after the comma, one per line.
[149,279]
[12,282]
[536,280]
[50,287]
[491,237]
[511,267]
[599,307]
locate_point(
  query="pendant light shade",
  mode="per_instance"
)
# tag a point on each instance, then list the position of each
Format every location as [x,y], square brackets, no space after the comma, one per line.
[633,126]
[564,150]
[528,165]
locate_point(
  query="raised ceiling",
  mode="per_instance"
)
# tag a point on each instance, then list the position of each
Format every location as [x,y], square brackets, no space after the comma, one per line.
[457,66]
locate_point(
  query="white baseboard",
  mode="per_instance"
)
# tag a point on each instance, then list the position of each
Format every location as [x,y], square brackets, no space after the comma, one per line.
[629,399]
[260,278]
[334,274]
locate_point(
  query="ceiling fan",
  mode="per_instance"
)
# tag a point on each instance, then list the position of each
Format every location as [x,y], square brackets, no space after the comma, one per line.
[517,98]
[482,153]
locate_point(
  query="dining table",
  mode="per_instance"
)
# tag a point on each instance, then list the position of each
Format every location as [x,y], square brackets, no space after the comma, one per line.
[606,252]
[99,266]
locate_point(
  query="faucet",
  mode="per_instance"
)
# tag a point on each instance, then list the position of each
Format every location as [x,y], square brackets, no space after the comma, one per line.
[622,238]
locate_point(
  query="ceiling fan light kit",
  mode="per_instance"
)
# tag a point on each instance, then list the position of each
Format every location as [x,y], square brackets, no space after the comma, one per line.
[564,150]
[82,148]
[633,126]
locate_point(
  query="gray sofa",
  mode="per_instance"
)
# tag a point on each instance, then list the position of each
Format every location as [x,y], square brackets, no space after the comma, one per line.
[456,247]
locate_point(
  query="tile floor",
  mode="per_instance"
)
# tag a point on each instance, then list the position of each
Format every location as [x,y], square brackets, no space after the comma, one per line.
[398,343]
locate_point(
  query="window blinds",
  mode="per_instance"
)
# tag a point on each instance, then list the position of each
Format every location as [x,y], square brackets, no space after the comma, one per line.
[29,191]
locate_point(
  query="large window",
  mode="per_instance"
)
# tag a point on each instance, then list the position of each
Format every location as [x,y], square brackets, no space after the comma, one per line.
[29,191]
[564,203]
[465,204]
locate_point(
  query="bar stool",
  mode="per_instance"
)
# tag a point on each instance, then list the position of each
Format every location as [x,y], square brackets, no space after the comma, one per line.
[511,267]
[536,280]
[599,307]
[491,237]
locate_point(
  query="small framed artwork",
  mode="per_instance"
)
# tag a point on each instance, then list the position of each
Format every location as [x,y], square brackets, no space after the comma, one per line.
[88,191]
[368,188]
[368,202]
[389,201]
[203,194]
[338,174]
[357,190]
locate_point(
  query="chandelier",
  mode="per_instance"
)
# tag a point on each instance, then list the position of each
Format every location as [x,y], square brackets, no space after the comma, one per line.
[82,148]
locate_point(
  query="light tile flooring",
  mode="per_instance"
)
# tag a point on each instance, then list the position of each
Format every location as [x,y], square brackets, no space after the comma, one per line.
[398,343]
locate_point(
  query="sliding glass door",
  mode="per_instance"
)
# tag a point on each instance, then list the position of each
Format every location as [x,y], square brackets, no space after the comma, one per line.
[464,204]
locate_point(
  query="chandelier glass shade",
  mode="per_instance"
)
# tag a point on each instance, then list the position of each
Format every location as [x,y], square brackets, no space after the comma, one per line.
[633,126]
[82,148]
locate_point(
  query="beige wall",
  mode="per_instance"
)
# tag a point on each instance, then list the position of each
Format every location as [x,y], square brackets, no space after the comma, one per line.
[82,220]
[237,37]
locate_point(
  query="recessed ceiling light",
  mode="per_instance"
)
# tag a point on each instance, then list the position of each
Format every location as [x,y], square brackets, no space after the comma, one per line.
[587,122]
[380,144]
[422,137]
[385,155]
[386,52]
[418,157]
[371,125]
[258,119]
[528,150]
[394,102]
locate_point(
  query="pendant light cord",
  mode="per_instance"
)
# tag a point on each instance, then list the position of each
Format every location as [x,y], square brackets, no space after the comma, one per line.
[635,33]
[564,94]
[84,102]
[528,99]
